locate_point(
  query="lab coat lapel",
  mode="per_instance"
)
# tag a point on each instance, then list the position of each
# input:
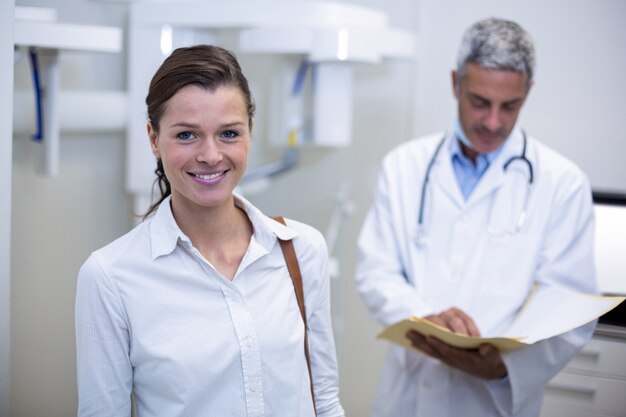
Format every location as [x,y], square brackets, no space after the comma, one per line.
[443,177]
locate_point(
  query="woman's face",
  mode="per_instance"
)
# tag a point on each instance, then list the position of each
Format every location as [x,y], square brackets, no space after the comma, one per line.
[203,142]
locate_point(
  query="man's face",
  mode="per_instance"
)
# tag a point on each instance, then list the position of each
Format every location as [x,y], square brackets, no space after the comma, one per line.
[489,103]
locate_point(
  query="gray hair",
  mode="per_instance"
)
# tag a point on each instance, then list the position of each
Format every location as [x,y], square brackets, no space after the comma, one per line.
[497,44]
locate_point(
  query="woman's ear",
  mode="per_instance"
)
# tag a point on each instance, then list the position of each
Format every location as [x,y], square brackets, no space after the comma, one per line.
[154,145]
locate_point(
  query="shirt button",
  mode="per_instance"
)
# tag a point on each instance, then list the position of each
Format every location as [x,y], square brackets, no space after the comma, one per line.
[247,341]
[236,298]
[253,387]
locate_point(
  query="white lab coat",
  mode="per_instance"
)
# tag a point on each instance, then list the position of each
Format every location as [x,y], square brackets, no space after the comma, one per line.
[471,257]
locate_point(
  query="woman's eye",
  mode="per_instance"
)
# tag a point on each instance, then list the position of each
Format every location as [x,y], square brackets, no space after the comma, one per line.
[230,134]
[185,135]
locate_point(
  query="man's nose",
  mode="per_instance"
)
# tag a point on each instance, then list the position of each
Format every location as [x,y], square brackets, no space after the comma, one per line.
[492,120]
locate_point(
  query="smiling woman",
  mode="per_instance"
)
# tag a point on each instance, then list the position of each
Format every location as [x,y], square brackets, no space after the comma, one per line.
[203,140]
[194,312]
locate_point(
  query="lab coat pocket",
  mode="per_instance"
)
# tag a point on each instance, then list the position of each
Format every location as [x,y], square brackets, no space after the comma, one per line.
[500,263]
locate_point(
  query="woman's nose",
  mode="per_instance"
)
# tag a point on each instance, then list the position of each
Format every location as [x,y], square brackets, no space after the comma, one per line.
[209,152]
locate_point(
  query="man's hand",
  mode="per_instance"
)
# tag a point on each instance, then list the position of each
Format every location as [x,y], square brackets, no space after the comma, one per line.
[455,320]
[484,362]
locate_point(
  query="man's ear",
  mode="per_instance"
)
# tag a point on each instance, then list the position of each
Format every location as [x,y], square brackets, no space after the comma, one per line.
[456,84]
[154,145]
[530,85]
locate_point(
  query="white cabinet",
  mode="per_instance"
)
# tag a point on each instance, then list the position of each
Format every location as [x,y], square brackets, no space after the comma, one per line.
[593,384]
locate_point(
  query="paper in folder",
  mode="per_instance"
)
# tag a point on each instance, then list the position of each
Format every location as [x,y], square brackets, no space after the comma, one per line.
[548,311]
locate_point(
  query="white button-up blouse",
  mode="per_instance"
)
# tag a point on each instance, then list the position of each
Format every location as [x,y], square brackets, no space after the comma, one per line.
[155,319]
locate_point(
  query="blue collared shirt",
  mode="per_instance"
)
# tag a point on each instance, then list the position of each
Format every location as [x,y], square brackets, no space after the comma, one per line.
[467,173]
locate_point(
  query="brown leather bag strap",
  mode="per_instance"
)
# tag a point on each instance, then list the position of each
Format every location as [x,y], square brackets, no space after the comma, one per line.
[294,271]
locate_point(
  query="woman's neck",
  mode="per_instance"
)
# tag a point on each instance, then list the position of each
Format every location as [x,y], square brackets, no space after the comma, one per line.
[213,227]
[221,234]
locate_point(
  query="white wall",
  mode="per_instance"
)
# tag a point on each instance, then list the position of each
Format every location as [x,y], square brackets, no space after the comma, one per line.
[6,122]
[575,106]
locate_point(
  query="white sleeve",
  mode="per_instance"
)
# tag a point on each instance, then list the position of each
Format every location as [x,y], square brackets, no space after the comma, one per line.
[313,262]
[566,260]
[380,274]
[104,370]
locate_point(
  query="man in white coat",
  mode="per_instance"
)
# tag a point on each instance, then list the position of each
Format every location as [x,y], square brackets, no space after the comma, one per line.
[464,224]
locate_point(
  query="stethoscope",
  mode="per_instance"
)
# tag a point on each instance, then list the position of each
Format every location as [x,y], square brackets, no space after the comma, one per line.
[521,157]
